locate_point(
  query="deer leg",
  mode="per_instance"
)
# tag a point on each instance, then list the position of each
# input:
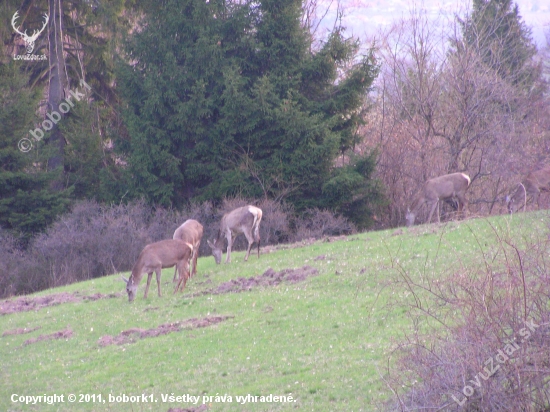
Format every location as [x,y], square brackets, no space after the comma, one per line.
[175,274]
[178,270]
[257,238]
[158,272]
[185,275]
[248,251]
[149,277]
[432,212]
[229,243]
[462,202]
[250,239]
[195,257]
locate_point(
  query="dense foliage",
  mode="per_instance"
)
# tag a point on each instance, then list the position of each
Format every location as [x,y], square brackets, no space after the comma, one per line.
[194,101]
[502,39]
[27,205]
[228,99]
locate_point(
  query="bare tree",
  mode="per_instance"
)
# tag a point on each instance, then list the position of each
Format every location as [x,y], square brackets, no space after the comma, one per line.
[58,81]
[440,109]
[315,14]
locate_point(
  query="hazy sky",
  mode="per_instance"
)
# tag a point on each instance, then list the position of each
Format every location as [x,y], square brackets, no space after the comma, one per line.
[365,17]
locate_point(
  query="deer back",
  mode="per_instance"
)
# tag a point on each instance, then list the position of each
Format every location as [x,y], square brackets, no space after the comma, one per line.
[190,231]
[163,254]
[238,220]
[441,187]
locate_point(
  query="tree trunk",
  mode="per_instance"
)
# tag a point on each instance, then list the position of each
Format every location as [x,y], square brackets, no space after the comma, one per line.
[56,84]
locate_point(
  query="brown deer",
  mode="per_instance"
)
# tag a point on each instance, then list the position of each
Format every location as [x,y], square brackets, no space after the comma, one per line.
[535,183]
[155,257]
[446,187]
[191,232]
[245,220]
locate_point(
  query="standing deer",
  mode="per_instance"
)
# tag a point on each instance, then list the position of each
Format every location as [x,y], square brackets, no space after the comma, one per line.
[245,220]
[190,232]
[532,185]
[155,257]
[439,188]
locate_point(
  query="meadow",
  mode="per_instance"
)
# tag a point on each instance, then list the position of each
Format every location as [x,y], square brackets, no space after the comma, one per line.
[322,343]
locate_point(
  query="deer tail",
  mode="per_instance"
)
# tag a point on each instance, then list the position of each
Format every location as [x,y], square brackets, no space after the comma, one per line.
[257,221]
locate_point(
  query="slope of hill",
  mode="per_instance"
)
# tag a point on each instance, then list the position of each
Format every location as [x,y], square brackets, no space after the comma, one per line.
[247,336]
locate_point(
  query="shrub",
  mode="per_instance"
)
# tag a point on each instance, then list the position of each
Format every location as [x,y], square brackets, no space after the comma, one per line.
[315,223]
[11,259]
[95,240]
[92,241]
[491,353]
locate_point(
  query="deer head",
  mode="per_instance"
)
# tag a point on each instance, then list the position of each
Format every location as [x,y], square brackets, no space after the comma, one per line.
[131,288]
[29,40]
[216,247]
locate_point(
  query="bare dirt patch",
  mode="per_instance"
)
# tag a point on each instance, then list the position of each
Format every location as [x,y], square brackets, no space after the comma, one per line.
[25,304]
[62,334]
[268,278]
[133,334]
[20,331]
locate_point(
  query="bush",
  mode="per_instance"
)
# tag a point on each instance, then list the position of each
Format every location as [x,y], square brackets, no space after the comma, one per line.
[11,259]
[95,240]
[92,241]
[492,352]
[316,223]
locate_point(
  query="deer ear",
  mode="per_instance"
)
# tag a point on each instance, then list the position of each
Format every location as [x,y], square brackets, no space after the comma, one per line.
[210,244]
[124,279]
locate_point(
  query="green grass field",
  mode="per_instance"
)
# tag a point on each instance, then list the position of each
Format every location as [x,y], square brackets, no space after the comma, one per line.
[324,342]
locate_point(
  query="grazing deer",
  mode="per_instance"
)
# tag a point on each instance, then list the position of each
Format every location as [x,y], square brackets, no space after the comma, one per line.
[155,257]
[245,220]
[532,185]
[439,188]
[190,232]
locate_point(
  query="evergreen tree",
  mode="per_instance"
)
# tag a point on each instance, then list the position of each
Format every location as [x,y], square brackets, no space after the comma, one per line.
[83,153]
[353,192]
[226,98]
[496,30]
[92,32]
[27,205]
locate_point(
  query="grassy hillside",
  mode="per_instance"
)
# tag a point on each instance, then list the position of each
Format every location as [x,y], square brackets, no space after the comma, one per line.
[323,341]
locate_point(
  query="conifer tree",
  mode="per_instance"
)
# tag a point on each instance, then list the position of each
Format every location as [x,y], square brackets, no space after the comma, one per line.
[502,39]
[27,205]
[227,98]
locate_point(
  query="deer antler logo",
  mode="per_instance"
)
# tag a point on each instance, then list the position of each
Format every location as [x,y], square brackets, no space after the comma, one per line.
[29,40]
